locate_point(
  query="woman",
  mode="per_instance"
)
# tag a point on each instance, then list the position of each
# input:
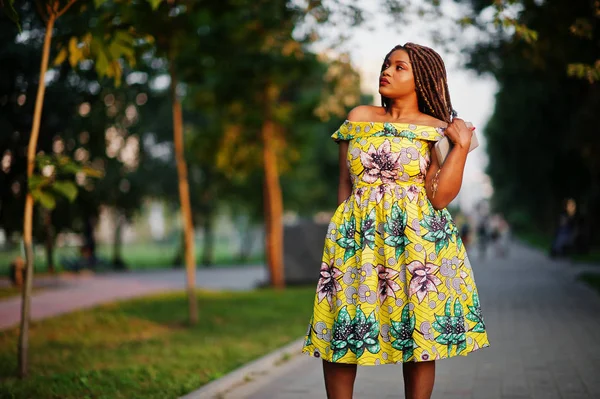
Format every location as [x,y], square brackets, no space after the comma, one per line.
[395,284]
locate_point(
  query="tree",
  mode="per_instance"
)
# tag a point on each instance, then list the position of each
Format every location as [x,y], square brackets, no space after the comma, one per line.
[539,102]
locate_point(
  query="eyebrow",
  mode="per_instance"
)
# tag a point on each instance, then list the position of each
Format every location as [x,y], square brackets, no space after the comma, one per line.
[397,62]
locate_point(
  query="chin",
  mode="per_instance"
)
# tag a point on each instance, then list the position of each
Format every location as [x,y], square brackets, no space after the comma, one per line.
[386,92]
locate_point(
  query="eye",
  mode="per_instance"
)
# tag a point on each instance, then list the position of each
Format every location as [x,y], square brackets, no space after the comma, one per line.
[398,67]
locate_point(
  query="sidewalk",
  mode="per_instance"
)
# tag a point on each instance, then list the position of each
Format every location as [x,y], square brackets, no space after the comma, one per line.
[544,329]
[81,292]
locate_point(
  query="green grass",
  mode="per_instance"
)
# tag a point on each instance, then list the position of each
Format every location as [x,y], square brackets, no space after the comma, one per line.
[140,256]
[591,257]
[591,279]
[145,349]
[9,292]
[536,240]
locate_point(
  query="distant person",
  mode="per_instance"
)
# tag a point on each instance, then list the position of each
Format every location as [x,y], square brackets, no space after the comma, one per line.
[392,267]
[564,236]
[502,240]
[465,233]
[483,237]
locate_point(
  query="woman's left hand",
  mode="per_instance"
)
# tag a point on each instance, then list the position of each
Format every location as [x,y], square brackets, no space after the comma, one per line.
[459,133]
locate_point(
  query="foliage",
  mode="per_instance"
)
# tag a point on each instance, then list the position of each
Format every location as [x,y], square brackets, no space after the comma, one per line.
[56,178]
[144,348]
[541,136]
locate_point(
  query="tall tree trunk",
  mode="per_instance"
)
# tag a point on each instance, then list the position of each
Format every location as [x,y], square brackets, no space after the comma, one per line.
[184,198]
[49,241]
[53,10]
[23,348]
[273,200]
[208,245]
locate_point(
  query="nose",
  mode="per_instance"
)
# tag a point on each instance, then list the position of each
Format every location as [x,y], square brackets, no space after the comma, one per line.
[385,72]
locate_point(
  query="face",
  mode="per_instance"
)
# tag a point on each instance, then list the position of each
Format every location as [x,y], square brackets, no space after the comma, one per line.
[396,79]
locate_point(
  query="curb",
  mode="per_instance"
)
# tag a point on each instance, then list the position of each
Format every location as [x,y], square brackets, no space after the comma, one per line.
[217,389]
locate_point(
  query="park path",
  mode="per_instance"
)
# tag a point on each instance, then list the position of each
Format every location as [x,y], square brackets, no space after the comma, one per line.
[85,291]
[544,329]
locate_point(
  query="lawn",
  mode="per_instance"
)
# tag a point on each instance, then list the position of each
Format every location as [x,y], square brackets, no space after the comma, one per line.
[10,291]
[145,349]
[137,256]
[591,279]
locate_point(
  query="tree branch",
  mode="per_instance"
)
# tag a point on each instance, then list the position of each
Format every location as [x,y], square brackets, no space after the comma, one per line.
[65,8]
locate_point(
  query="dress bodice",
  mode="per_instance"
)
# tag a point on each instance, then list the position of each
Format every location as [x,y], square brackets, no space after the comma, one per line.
[384,153]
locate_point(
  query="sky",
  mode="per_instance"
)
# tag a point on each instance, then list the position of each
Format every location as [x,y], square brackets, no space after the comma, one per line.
[472,95]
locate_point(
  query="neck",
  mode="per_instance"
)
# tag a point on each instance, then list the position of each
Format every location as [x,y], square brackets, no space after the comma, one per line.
[404,108]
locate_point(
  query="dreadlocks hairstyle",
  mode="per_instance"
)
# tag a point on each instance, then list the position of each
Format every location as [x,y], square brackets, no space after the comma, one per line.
[431,82]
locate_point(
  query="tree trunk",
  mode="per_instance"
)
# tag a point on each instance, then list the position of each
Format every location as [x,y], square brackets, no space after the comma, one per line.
[28,214]
[273,200]
[208,245]
[184,198]
[49,241]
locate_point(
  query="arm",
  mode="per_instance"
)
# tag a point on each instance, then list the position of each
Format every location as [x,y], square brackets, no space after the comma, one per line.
[345,184]
[449,179]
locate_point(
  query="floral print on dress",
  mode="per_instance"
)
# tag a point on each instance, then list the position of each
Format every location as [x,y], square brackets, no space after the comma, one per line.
[395,226]
[328,284]
[379,164]
[395,284]
[403,332]
[451,327]
[423,279]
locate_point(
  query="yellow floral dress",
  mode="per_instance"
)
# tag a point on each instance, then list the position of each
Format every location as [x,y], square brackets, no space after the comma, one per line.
[395,282]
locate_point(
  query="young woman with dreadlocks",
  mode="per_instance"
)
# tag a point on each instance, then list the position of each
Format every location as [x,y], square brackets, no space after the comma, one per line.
[395,284]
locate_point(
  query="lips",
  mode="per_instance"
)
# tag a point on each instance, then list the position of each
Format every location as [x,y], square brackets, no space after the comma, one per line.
[383,81]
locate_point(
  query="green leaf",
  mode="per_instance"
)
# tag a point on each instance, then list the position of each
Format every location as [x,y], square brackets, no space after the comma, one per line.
[397,345]
[462,345]
[458,310]
[98,3]
[11,13]
[407,354]
[439,245]
[349,253]
[343,317]
[38,181]
[479,328]
[472,317]
[374,348]
[66,188]
[442,339]
[154,4]
[476,299]
[338,354]
[44,198]
[399,251]
[448,308]
[360,318]
[405,317]
[91,172]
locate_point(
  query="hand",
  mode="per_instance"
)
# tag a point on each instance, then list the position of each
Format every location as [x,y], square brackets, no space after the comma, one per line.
[459,133]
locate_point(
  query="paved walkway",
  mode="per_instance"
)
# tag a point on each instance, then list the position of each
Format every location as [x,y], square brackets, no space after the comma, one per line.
[85,291]
[544,329]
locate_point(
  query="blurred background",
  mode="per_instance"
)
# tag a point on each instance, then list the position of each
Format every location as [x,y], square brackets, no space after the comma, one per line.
[176,134]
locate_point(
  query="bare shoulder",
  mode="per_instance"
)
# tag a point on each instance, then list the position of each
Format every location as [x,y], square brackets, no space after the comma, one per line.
[365,113]
[432,121]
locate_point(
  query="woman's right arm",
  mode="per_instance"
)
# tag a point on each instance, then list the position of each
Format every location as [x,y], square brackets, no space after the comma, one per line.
[345,184]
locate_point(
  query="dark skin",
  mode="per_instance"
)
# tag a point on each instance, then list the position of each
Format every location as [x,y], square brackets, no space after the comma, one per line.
[419,377]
